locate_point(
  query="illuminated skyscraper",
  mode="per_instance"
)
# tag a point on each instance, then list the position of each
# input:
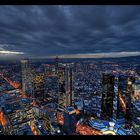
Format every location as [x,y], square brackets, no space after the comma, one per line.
[125,100]
[38,87]
[24,69]
[26,77]
[124,92]
[129,101]
[115,100]
[66,95]
[107,96]
[61,84]
[69,86]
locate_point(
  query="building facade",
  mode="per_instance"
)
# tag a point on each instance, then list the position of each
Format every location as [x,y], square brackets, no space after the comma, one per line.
[26,77]
[107,96]
[38,87]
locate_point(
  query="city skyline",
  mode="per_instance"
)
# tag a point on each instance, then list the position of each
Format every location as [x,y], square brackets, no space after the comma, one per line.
[69,31]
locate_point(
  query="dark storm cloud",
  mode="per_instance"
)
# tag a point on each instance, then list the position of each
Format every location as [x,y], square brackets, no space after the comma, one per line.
[54,30]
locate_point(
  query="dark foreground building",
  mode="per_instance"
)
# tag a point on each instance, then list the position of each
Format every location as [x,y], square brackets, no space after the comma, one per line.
[107,96]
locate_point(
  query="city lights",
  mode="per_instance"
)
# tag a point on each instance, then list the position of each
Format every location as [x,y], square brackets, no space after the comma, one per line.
[68,101]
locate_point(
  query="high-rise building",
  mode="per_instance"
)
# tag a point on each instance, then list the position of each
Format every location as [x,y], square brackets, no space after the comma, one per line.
[129,101]
[123,98]
[115,100]
[38,87]
[61,85]
[26,77]
[66,94]
[56,65]
[24,68]
[69,120]
[137,90]
[107,96]
[69,86]
[122,90]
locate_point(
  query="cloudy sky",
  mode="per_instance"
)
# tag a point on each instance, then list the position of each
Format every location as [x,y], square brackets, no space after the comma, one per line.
[69,31]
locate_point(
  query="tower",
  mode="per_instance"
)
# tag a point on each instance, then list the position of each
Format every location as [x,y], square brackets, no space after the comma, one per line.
[61,85]
[115,100]
[38,87]
[24,70]
[125,100]
[107,96]
[129,107]
[69,86]
[66,95]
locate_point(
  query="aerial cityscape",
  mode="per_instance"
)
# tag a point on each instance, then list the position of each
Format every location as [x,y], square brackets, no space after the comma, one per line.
[69,70]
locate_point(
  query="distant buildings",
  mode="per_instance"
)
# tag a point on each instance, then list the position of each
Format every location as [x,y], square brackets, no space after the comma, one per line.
[56,65]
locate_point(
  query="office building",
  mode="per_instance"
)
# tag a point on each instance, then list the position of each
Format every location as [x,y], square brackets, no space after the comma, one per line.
[38,87]
[69,86]
[125,94]
[129,102]
[26,76]
[115,100]
[61,85]
[107,96]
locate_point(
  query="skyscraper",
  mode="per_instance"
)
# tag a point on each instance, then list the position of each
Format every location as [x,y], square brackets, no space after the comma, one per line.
[24,69]
[38,87]
[27,77]
[66,94]
[61,85]
[129,107]
[115,100]
[125,100]
[107,96]
[69,86]
[122,90]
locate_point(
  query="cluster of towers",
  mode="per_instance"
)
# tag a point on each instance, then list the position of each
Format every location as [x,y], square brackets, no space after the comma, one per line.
[117,97]
[117,91]
[64,73]
[33,83]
